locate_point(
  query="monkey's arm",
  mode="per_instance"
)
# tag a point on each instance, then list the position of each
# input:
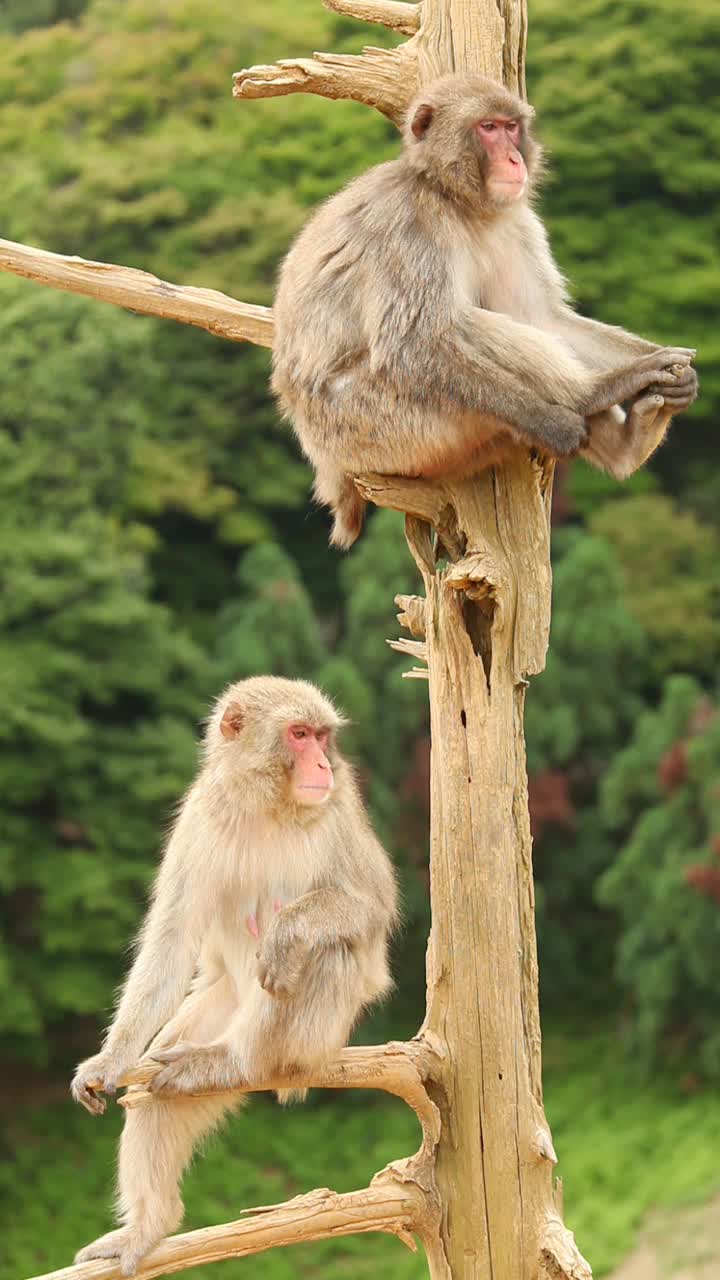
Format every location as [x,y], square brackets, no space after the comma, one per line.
[320,919]
[547,365]
[168,948]
[599,346]
[605,347]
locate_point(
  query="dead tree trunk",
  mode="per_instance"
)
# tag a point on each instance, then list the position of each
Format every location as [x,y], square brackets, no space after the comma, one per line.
[479,1191]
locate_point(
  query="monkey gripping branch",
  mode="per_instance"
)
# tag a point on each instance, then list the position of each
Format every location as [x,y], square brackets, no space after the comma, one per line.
[479,1191]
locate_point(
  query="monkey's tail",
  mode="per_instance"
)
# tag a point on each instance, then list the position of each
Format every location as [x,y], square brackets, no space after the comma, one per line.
[286,1096]
[338,492]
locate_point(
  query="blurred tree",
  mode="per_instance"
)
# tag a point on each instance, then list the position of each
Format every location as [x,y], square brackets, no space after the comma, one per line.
[269,627]
[20,15]
[670,583]
[578,713]
[663,793]
[97,697]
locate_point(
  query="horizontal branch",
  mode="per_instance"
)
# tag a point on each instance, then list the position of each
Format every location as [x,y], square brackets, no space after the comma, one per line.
[400,1068]
[141,292]
[390,1204]
[388,13]
[382,78]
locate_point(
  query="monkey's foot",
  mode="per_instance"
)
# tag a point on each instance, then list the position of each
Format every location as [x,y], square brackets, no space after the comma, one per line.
[137,1245]
[128,1244]
[107,1246]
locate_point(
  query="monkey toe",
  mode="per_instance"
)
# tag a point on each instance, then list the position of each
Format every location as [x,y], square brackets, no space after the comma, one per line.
[172,1053]
[133,1254]
[107,1246]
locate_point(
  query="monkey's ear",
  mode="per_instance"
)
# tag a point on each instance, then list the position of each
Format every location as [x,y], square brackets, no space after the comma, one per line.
[232,720]
[422,119]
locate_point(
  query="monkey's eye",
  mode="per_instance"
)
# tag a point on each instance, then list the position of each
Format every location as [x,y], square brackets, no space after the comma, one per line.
[298,732]
[489,125]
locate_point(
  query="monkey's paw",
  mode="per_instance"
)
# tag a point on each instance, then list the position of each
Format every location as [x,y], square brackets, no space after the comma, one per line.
[102,1073]
[107,1246]
[190,1068]
[280,965]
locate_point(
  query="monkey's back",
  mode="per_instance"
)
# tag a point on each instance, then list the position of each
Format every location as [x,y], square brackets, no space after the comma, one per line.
[357,274]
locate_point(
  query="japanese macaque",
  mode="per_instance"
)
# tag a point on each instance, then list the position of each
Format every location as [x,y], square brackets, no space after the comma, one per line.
[422,325]
[266,937]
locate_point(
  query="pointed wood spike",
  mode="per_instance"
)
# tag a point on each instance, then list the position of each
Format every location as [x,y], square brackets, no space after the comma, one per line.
[382,78]
[388,13]
[415,648]
[412,614]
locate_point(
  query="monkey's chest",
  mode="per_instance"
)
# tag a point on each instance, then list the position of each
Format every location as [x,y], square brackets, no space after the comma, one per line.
[494,273]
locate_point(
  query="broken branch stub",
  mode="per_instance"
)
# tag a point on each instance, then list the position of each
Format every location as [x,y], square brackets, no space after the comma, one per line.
[387,13]
[381,78]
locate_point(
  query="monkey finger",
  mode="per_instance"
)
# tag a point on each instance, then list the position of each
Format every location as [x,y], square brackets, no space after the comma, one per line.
[166,1081]
[90,1100]
[672,394]
[673,355]
[172,1053]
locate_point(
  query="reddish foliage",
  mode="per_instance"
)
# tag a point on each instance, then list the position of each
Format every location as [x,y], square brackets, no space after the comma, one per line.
[415,793]
[672,770]
[550,801]
[705,880]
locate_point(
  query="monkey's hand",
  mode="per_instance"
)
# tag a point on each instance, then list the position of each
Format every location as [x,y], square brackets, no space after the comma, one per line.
[681,393]
[100,1074]
[283,955]
[194,1068]
[666,372]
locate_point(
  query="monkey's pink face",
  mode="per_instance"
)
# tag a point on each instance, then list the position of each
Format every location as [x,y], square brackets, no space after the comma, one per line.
[506,175]
[312,775]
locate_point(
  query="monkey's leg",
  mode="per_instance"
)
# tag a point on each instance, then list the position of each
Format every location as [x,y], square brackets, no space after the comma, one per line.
[276,1035]
[620,445]
[158,1141]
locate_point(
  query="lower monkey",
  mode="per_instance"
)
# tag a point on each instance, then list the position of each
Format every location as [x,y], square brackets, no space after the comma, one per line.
[266,937]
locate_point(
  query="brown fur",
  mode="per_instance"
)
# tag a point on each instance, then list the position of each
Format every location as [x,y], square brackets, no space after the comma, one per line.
[422,325]
[215,1004]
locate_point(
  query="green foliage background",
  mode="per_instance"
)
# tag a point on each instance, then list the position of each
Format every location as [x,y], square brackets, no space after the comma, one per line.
[158,541]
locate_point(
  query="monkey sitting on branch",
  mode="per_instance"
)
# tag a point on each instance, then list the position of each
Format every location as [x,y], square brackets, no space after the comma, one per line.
[266,937]
[422,325]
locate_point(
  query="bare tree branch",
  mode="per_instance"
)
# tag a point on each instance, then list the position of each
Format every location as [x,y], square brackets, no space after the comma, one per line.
[400,1068]
[142,292]
[382,78]
[388,13]
[392,1203]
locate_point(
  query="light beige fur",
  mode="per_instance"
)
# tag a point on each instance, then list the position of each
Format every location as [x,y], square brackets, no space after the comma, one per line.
[214,1003]
[422,325]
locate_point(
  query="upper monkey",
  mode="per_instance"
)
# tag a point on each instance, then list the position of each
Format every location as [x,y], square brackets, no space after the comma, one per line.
[422,324]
